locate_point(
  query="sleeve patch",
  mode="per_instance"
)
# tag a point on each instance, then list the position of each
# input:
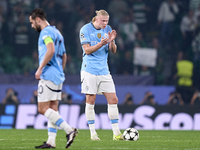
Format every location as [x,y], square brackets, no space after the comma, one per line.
[82,37]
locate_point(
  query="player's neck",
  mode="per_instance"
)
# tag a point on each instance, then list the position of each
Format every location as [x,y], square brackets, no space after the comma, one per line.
[95,25]
[44,24]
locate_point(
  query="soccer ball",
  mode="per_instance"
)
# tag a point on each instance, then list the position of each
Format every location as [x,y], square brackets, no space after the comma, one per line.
[131,134]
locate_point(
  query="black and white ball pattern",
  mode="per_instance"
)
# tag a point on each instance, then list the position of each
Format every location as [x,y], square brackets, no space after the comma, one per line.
[131,134]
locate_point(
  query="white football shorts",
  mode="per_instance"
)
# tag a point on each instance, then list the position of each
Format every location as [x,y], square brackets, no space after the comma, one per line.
[49,91]
[96,84]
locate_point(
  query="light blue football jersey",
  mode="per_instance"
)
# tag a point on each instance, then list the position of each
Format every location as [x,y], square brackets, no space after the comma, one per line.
[53,71]
[95,63]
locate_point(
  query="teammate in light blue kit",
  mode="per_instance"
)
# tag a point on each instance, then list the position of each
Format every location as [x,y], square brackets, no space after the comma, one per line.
[53,71]
[52,60]
[97,40]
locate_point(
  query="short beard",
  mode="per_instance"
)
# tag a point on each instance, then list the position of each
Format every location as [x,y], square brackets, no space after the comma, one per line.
[38,28]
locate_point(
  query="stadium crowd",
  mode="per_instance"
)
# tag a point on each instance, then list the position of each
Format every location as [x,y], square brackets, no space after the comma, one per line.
[169,26]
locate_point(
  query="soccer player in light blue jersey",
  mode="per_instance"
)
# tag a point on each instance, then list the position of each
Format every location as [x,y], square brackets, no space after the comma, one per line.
[97,40]
[52,60]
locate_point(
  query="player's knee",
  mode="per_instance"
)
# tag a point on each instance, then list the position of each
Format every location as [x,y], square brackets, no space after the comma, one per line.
[91,102]
[114,100]
[90,99]
[41,110]
[54,107]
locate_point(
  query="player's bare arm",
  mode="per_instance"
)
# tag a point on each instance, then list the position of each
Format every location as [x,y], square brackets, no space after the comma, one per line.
[64,60]
[112,46]
[49,54]
[91,49]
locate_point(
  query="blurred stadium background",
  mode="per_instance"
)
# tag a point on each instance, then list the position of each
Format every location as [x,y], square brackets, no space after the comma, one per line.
[154,36]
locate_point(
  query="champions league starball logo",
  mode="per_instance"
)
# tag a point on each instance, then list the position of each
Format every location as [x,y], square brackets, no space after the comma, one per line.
[82,35]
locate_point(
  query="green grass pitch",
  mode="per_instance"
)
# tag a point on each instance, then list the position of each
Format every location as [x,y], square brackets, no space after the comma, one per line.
[148,140]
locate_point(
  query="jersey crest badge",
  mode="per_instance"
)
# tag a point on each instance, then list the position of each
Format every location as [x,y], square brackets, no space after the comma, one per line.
[99,35]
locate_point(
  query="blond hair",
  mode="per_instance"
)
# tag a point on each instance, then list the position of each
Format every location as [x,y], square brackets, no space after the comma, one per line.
[100,12]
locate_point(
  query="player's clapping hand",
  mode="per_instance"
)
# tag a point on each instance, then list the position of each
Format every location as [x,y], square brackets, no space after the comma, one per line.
[104,41]
[112,35]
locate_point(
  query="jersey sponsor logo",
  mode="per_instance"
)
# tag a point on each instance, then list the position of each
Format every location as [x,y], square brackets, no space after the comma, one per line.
[94,42]
[99,35]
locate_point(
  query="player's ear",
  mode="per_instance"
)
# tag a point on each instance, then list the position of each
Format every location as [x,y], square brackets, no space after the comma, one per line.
[37,19]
